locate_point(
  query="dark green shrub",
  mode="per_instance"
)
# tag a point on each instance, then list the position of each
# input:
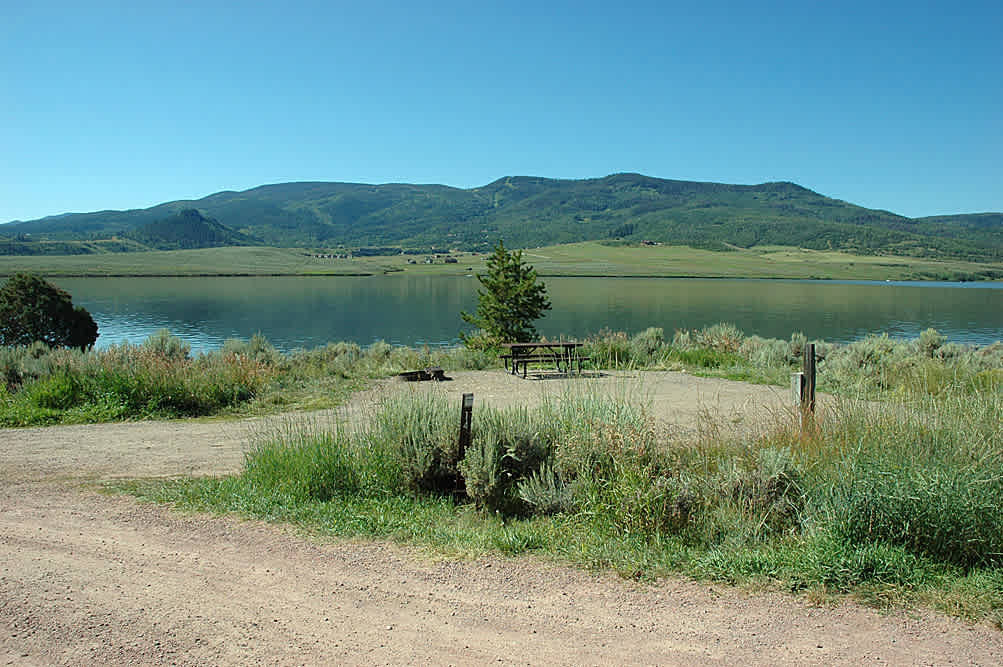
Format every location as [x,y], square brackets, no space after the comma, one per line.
[60,391]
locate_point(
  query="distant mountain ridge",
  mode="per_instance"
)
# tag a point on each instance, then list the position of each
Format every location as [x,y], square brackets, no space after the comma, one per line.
[531,211]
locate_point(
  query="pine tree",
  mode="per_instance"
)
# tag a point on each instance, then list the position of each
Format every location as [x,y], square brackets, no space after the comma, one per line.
[511,300]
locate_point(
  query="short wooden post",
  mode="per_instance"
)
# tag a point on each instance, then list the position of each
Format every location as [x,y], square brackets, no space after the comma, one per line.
[466,420]
[803,387]
[808,388]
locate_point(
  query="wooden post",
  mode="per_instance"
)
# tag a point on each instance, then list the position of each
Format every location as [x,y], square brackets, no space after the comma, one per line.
[803,385]
[466,419]
[808,388]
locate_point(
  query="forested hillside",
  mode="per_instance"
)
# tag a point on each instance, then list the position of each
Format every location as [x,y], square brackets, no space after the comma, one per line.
[528,211]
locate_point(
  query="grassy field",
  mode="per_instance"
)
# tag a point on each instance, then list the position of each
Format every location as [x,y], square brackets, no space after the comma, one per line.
[252,261]
[591,259]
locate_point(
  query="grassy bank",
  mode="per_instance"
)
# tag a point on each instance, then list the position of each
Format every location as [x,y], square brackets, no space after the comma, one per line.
[159,378]
[591,259]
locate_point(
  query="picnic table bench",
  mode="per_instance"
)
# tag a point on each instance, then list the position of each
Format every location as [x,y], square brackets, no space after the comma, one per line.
[559,354]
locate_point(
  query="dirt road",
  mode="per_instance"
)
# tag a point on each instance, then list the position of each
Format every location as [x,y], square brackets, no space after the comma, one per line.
[88,578]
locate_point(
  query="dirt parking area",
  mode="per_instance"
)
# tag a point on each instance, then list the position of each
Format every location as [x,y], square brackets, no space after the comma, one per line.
[109,580]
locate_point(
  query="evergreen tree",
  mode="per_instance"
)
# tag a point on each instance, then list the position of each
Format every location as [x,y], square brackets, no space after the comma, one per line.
[511,299]
[32,309]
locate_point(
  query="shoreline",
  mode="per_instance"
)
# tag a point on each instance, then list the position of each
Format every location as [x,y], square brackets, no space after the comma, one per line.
[642,276]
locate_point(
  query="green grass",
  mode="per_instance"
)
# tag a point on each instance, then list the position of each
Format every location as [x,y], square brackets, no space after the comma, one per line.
[578,259]
[891,506]
[160,379]
[249,261]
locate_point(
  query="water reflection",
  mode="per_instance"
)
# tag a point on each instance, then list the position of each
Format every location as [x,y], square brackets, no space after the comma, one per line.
[308,311]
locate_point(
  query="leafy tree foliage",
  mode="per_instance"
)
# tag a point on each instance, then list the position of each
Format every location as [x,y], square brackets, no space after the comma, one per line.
[32,309]
[511,299]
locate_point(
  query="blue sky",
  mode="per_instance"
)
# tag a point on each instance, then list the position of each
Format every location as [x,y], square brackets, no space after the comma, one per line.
[889,105]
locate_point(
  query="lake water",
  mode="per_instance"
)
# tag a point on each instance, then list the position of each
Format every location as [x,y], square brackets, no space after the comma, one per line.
[309,311]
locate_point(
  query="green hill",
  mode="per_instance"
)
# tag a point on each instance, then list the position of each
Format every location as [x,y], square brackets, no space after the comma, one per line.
[187,230]
[528,211]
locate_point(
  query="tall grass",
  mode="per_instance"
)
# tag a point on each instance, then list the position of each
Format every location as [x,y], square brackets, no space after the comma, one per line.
[893,502]
[160,378]
[876,365]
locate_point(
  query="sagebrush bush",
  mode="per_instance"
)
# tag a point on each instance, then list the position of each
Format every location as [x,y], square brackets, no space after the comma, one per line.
[257,349]
[508,446]
[546,493]
[929,342]
[167,345]
[682,340]
[647,345]
[768,490]
[723,337]
[765,353]
[609,349]
[419,431]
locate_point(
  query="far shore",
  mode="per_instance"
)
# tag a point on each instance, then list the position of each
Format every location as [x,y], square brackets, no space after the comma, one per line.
[578,260]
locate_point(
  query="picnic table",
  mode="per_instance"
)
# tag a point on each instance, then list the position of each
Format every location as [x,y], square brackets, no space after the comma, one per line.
[557,353]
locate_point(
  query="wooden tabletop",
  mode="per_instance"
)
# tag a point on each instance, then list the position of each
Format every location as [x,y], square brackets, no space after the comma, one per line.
[531,346]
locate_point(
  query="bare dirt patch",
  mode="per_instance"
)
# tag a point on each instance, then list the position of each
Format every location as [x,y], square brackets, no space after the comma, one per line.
[87,578]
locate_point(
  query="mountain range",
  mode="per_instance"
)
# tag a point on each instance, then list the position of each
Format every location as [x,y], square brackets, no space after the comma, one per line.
[524,211]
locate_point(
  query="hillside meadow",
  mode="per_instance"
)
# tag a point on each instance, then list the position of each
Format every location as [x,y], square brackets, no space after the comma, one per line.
[578,259]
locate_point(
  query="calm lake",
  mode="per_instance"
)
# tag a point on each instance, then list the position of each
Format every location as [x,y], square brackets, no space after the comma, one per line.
[309,311]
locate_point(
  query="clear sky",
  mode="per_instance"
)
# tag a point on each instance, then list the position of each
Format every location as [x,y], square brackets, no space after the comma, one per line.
[887,104]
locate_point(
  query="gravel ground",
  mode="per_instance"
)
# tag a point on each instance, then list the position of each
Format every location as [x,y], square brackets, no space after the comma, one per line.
[88,578]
